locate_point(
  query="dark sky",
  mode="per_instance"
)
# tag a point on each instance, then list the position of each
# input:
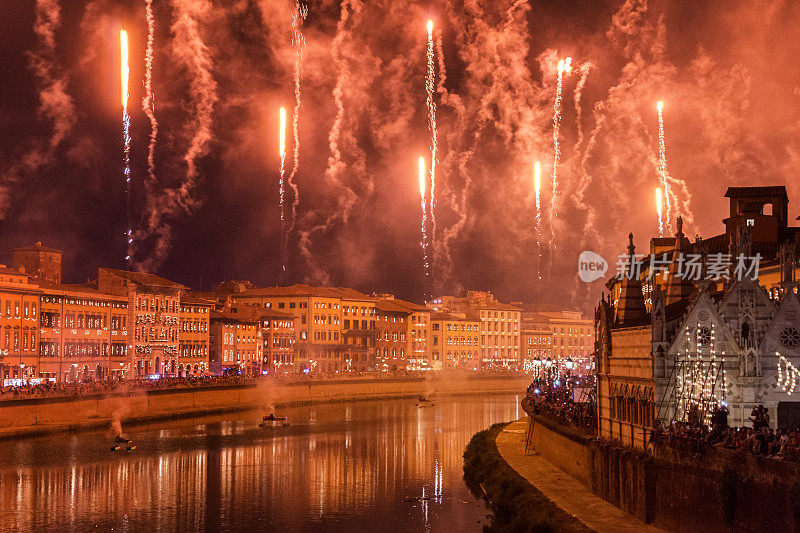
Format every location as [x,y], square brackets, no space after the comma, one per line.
[726,71]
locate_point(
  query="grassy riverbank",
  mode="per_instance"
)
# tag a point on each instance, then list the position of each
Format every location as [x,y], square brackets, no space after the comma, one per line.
[516,504]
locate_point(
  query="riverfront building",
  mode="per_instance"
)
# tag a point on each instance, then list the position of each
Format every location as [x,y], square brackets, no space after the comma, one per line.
[500,326]
[700,344]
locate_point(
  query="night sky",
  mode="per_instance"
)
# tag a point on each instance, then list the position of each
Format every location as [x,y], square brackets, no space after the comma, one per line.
[727,73]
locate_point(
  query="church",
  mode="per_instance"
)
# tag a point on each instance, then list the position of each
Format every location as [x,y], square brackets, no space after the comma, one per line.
[671,346]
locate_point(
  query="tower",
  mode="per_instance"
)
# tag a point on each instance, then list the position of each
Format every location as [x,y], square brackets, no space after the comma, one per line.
[40,262]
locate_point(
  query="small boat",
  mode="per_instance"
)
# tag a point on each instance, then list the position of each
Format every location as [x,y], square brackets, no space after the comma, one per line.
[423,401]
[272,421]
[122,443]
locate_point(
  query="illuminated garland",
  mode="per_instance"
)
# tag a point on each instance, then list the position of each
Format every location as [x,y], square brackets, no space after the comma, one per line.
[787,377]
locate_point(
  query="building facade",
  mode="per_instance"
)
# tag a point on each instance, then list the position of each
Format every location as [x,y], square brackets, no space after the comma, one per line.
[455,341]
[19,325]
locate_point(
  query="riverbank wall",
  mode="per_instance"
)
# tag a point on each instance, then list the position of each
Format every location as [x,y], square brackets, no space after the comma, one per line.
[675,488]
[32,416]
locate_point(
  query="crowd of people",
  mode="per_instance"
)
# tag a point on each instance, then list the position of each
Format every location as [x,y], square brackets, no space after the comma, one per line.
[759,439]
[50,389]
[556,400]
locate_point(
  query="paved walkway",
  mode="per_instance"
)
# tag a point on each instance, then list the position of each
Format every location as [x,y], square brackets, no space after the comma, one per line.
[562,489]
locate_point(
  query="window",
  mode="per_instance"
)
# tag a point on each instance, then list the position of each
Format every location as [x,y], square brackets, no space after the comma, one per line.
[750,222]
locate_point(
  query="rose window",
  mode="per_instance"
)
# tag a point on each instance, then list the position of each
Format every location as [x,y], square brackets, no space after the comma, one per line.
[790,337]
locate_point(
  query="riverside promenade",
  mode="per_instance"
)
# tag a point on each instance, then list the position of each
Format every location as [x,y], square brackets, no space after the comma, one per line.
[562,489]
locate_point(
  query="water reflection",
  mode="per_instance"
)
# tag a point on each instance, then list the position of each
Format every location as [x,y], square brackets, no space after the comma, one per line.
[385,465]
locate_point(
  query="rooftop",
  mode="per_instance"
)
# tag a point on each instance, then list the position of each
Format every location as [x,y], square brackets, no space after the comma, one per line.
[752,192]
[143,278]
[37,247]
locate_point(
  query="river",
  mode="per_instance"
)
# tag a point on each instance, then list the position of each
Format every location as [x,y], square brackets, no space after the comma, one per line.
[385,465]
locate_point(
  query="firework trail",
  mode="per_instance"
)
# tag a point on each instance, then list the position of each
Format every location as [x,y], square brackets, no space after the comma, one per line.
[430,80]
[564,67]
[440,87]
[126,136]
[662,165]
[660,213]
[584,71]
[341,43]
[192,54]
[282,152]
[537,183]
[54,103]
[299,43]
[424,242]
[148,103]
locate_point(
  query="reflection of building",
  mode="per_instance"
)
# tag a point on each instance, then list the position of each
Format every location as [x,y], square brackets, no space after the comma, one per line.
[701,343]
[500,326]
[455,341]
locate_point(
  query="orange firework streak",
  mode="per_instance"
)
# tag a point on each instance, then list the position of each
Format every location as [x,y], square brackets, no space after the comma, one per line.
[564,67]
[660,213]
[662,164]
[537,183]
[431,103]
[423,205]
[282,152]
[126,126]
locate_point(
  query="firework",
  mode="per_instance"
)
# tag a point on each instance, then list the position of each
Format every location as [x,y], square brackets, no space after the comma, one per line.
[537,182]
[282,152]
[564,67]
[126,137]
[423,205]
[662,165]
[660,213]
[299,43]
[431,103]
[148,103]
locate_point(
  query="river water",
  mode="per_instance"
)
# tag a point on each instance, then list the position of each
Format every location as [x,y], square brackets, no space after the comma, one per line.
[384,466]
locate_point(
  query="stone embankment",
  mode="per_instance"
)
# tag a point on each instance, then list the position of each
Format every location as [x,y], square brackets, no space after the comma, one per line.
[32,416]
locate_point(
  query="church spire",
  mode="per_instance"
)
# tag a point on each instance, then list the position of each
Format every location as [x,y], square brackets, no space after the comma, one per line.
[630,308]
[679,286]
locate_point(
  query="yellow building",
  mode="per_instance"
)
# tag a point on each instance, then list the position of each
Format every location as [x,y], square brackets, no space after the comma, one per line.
[455,341]
[417,333]
[19,324]
[193,349]
[83,334]
[572,334]
[320,333]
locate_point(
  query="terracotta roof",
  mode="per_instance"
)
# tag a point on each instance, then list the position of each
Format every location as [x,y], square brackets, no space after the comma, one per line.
[751,192]
[436,315]
[37,247]
[391,306]
[144,278]
[304,290]
[80,288]
[408,306]
[194,300]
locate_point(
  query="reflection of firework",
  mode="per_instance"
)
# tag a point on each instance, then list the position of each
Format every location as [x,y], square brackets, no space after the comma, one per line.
[662,165]
[126,126]
[564,67]
[424,242]
[282,152]
[429,88]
